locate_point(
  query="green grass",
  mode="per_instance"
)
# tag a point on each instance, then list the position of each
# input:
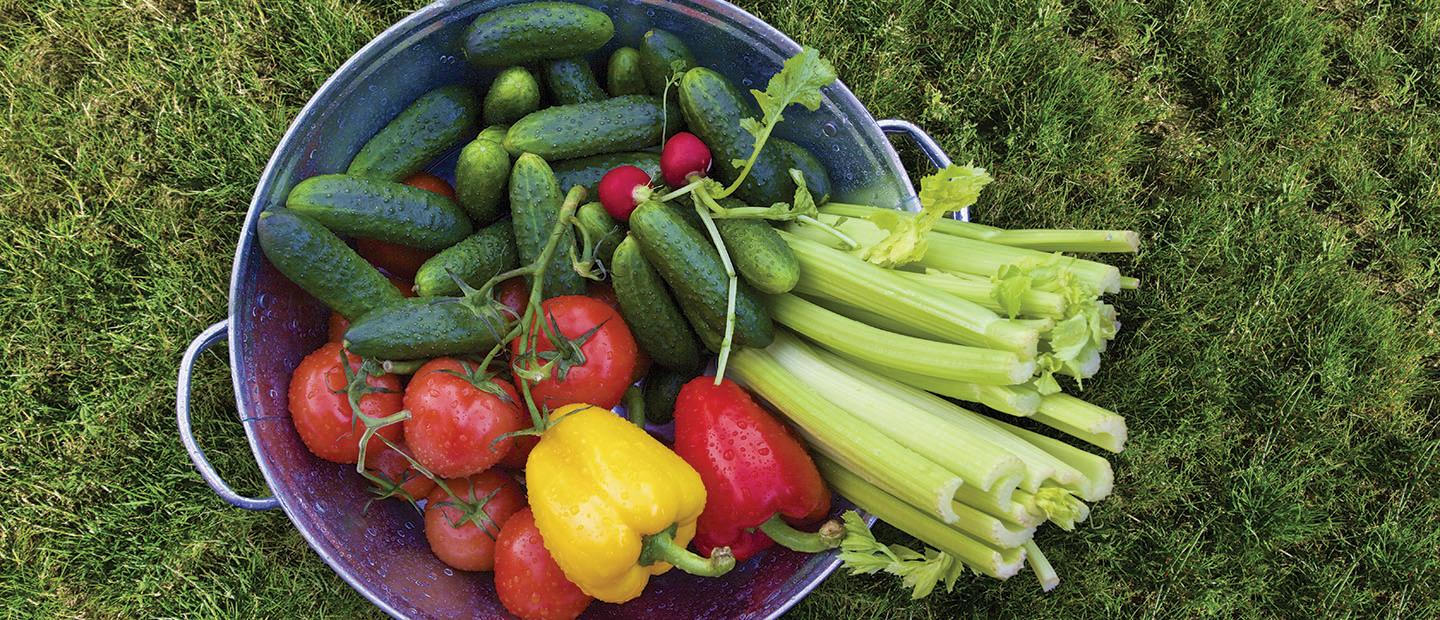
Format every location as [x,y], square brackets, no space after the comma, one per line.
[1279,369]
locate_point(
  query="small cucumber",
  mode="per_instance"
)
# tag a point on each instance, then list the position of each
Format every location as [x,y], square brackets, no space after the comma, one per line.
[817,180]
[534,31]
[692,268]
[659,51]
[713,107]
[661,389]
[478,258]
[587,171]
[480,176]
[321,264]
[571,81]
[535,200]
[513,94]
[623,75]
[429,127]
[424,327]
[383,210]
[604,231]
[568,131]
[659,328]
[494,133]
[760,255]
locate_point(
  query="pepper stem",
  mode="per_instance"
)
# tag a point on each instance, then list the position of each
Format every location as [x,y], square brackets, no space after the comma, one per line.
[828,537]
[661,547]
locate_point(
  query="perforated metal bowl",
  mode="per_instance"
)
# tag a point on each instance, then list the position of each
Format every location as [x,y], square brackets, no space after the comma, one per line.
[272,324]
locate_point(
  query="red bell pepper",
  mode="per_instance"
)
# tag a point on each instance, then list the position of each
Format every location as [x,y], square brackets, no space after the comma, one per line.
[758,478]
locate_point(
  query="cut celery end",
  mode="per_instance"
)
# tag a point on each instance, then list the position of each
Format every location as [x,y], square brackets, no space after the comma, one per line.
[1055,505]
[1094,425]
[1000,505]
[1048,240]
[1013,400]
[997,563]
[943,360]
[841,436]
[1044,572]
[833,274]
[1100,476]
[1033,304]
[1129,284]
[953,446]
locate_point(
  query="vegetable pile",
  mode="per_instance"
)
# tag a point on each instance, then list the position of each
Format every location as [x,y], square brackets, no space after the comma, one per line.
[491,329]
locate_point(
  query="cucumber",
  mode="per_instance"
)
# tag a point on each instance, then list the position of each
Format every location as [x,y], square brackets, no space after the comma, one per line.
[321,264]
[535,200]
[659,51]
[429,127]
[383,210]
[568,131]
[478,258]
[817,180]
[661,390]
[713,107]
[587,171]
[424,327]
[659,328]
[513,94]
[692,268]
[535,31]
[480,176]
[709,336]
[494,133]
[603,229]
[571,81]
[760,255]
[623,75]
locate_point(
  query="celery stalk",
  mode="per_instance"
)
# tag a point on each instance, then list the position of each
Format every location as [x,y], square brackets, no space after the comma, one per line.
[942,360]
[1129,284]
[1097,470]
[1002,505]
[1016,400]
[937,415]
[997,563]
[958,254]
[835,433]
[881,321]
[832,274]
[1056,504]
[955,447]
[1096,241]
[1044,572]
[1032,304]
[1097,426]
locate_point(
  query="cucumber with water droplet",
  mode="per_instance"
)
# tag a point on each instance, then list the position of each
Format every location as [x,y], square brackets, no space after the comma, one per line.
[571,81]
[382,210]
[624,76]
[321,264]
[424,130]
[513,94]
[627,123]
[534,31]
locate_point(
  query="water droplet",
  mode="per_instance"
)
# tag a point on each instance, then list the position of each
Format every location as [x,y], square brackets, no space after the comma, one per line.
[747,81]
[273,392]
[835,148]
[828,129]
[650,12]
[312,153]
[262,300]
[449,573]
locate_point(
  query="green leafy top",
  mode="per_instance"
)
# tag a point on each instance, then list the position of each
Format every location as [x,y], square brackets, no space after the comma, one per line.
[798,82]
[948,190]
[920,572]
[1076,338]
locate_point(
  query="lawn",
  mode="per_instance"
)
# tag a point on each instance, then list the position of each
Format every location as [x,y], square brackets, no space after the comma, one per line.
[1279,368]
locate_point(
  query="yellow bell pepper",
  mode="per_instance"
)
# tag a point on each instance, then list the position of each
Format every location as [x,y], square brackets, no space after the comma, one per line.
[614,505]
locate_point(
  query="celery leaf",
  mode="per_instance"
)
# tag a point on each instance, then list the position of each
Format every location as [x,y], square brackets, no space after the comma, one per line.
[919,572]
[946,191]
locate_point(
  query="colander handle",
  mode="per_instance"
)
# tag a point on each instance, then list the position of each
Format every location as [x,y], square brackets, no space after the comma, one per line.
[213,334]
[926,144]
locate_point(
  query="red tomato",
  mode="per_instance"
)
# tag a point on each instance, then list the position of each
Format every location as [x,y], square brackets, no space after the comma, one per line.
[321,411]
[457,541]
[454,424]
[392,258]
[609,354]
[514,294]
[529,582]
[427,181]
[393,466]
[338,323]
[520,452]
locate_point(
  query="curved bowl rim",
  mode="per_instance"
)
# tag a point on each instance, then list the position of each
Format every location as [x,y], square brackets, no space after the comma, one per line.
[323,96]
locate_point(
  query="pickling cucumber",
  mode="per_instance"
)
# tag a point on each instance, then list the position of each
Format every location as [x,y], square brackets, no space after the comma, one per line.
[571,81]
[618,124]
[424,130]
[659,328]
[533,31]
[659,53]
[321,264]
[623,76]
[480,176]
[587,171]
[424,327]
[382,210]
[478,258]
[713,107]
[513,94]
[535,201]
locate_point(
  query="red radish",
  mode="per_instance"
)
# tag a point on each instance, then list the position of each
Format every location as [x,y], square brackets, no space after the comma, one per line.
[684,155]
[622,189]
